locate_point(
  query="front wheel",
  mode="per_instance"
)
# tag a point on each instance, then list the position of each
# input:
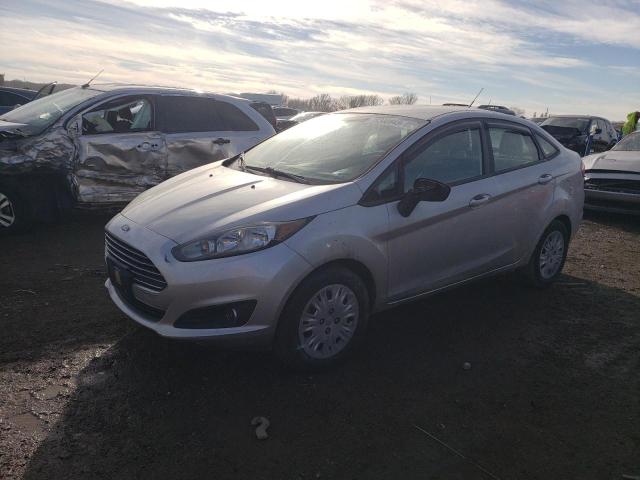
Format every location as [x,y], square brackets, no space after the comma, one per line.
[15,214]
[547,260]
[323,320]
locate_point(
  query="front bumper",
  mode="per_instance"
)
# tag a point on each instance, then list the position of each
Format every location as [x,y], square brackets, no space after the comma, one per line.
[266,277]
[614,202]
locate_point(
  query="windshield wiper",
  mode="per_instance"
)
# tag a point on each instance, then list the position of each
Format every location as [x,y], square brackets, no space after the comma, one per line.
[278,173]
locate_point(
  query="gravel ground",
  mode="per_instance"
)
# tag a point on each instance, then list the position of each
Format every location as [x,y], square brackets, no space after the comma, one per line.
[553,390]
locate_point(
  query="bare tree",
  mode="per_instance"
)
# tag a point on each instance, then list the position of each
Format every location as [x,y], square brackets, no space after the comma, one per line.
[354,101]
[323,103]
[404,99]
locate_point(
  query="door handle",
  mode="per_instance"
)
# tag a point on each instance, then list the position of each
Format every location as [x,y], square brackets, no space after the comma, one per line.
[479,200]
[544,179]
[221,141]
[144,146]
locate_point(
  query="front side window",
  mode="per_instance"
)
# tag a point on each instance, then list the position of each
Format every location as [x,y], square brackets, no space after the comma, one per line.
[453,158]
[124,115]
[511,148]
[332,148]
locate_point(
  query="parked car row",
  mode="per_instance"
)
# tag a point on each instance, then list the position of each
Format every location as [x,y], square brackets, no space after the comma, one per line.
[310,230]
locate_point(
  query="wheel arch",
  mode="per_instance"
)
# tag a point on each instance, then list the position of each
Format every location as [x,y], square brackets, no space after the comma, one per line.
[354,266]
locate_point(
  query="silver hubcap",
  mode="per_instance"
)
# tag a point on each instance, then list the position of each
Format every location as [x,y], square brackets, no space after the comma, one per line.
[551,254]
[328,321]
[7,213]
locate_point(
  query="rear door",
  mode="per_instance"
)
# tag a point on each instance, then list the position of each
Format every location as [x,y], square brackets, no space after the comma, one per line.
[120,152]
[201,130]
[525,179]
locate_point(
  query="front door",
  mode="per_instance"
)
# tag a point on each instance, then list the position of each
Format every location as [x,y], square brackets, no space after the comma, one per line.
[120,154]
[441,243]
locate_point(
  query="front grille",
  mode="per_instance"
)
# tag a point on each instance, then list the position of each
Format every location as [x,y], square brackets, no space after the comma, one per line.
[142,270]
[613,185]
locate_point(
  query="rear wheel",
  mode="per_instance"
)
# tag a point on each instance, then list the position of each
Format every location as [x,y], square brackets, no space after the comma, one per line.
[547,260]
[323,320]
[15,212]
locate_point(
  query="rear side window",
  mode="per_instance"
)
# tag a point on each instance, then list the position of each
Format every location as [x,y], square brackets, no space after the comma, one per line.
[547,147]
[183,114]
[234,119]
[511,148]
[453,158]
[188,114]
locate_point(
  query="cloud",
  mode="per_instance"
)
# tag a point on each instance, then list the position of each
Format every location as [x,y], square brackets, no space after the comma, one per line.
[521,54]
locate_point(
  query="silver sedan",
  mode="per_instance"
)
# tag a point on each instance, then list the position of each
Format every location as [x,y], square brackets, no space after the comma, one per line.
[296,242]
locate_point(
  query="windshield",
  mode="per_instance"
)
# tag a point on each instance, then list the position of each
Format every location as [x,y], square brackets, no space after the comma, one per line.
[629,143]
[332,148]
[580,124]
[41,113]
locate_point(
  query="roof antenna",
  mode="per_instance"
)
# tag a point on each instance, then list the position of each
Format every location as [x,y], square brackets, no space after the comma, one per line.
[86,85]
[476,97]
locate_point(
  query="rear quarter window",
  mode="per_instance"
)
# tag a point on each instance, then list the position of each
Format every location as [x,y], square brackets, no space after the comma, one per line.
[548,149]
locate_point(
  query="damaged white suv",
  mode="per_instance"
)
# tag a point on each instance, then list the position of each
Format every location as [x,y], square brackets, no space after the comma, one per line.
[102,145]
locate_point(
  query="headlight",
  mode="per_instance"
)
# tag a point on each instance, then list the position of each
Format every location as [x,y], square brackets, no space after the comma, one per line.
[237,241]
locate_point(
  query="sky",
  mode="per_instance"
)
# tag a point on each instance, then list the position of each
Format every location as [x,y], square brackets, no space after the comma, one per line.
[565,56]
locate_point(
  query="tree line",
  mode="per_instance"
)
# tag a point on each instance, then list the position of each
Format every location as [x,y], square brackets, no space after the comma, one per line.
[326,103]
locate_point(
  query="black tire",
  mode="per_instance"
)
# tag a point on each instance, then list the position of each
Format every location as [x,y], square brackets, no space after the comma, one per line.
[288,346]
[534,271]
[15,210]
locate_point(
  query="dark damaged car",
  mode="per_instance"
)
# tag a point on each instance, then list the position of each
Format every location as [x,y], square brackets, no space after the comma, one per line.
[612,179]
[582,134]
[100,146]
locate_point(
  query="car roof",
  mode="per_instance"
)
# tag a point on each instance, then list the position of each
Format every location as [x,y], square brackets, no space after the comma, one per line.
[576,116]
[19,91]
[420,112]
[113,87]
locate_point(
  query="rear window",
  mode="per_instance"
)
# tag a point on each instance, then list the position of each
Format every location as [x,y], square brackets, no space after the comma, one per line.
[182,114]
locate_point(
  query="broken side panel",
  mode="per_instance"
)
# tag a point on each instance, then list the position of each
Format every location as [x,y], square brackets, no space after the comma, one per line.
[116,167]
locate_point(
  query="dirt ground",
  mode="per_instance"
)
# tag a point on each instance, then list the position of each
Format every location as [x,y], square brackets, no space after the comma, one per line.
[553,391]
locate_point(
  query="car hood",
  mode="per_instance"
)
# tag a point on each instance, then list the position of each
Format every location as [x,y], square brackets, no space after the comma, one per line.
[614,160]
[214,197]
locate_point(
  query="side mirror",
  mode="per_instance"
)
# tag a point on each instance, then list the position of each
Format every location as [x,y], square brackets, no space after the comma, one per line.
[424,190]
[598,131]
[73,127]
